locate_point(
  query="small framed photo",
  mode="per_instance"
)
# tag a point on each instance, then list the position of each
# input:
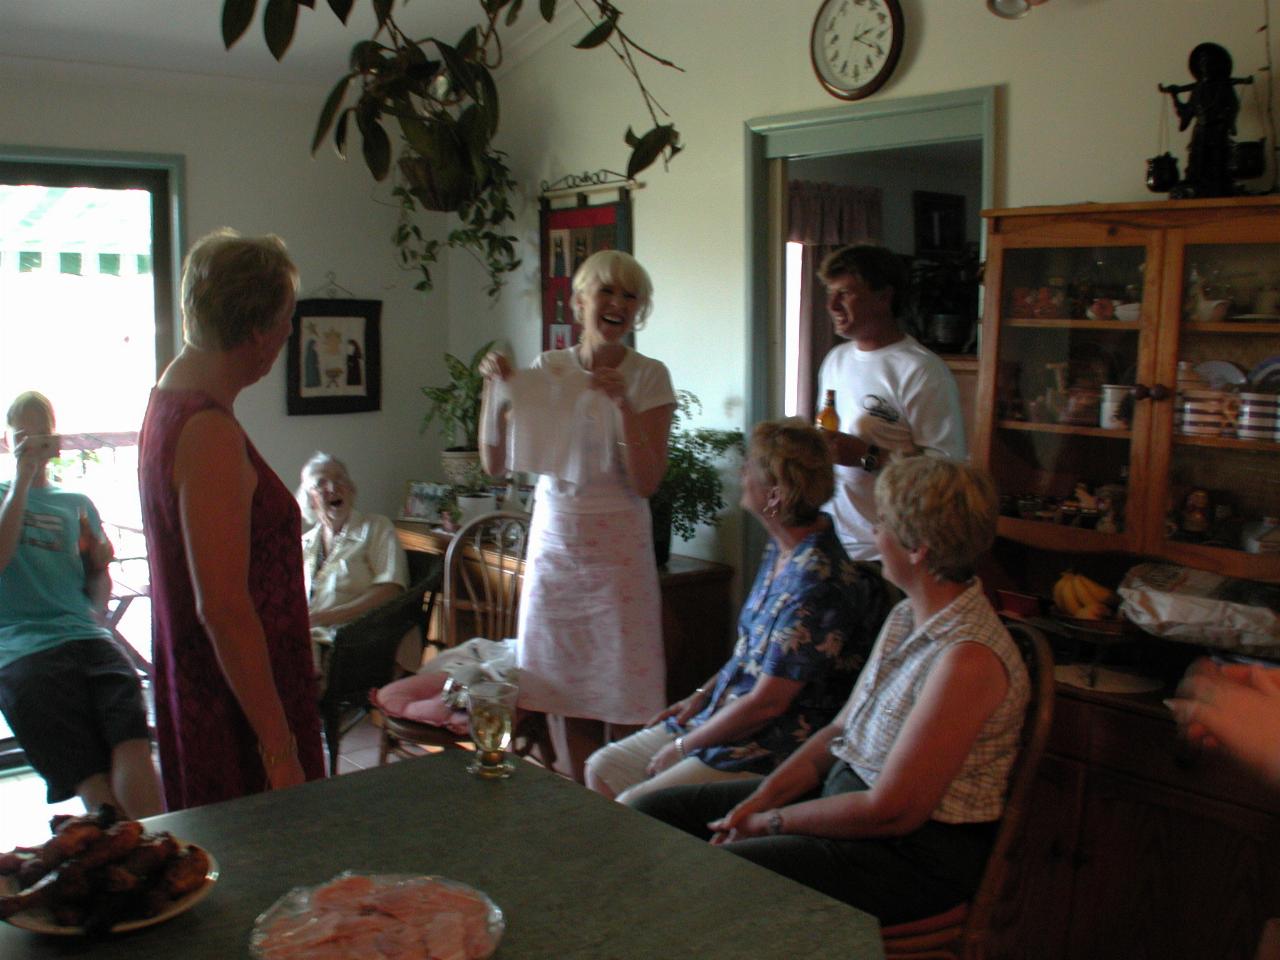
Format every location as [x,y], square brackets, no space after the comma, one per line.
[939,222]
[561,336]
[335,357]
[422,501]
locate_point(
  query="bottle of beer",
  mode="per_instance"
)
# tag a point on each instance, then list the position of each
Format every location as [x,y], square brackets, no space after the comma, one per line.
[827,418]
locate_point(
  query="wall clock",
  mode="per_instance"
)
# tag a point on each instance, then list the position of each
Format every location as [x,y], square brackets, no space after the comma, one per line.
[855,45]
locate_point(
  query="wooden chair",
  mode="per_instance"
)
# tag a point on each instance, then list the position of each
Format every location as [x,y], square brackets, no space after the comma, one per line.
[483,576]
[962,932]
[363,657]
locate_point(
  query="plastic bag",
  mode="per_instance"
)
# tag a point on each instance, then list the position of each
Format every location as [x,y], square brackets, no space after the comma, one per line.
[1195,606]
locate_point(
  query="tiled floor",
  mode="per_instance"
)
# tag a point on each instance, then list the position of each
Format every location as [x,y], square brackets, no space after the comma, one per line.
[24,815]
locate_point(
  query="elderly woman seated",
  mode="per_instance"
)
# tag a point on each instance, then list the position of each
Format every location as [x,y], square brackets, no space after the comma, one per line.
[804,633]
[893,806]
[352,561]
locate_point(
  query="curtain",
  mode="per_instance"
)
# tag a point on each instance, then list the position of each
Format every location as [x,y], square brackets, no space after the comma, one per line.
[824,216]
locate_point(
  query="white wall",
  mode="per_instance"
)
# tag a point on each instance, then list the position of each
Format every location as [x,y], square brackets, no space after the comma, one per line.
[247,166]
[1077,118]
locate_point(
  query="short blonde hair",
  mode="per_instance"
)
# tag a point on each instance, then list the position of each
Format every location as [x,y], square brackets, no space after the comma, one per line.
[234,287]
[30,400]
[616,267]
[947,507]
[794,456]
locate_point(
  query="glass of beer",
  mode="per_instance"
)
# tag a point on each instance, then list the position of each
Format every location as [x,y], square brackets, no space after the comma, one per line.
[492,709]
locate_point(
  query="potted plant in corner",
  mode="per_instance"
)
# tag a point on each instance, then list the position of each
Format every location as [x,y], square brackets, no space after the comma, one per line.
[690,490]
[455,406]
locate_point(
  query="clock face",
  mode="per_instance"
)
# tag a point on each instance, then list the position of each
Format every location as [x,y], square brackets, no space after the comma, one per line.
[855,45]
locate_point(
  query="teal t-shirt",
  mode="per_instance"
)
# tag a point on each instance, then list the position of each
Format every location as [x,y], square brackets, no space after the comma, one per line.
[42,598]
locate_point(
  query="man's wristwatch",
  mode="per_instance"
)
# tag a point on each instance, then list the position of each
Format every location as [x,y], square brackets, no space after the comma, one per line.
[775,823]
[870,461]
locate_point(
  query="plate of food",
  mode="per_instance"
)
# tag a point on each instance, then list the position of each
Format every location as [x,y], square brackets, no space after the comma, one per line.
[99,875]
[376,915]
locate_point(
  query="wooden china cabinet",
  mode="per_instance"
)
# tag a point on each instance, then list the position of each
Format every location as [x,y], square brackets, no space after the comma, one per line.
[1136,848]
[1119,294]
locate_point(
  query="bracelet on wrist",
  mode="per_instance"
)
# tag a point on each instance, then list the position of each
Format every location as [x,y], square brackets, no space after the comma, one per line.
[274,758]
[775,823]
[680,748]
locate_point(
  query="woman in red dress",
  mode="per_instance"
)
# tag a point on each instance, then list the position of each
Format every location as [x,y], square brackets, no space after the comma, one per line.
[235,688]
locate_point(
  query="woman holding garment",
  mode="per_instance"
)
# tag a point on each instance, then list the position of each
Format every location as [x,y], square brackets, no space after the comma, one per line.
[589,641]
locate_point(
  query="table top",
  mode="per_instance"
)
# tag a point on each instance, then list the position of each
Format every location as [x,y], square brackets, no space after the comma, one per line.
[577,876]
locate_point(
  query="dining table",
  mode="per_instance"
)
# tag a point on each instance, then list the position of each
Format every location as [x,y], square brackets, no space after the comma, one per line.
[577,876]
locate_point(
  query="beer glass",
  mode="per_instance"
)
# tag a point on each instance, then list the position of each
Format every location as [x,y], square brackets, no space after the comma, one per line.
[492,708]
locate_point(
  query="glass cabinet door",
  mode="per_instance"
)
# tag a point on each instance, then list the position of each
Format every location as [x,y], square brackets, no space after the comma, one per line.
[1073,325]
[1222,484]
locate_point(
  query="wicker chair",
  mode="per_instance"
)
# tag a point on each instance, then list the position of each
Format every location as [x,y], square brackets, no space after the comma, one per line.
[962,932]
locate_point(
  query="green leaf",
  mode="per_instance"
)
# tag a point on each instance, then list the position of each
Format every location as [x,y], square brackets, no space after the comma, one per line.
[309,4]
[383,9]
[598,34]
[459,69]
[513,11]
[278,23]
[650,146]
[366,55]
[469,44]
[340,133]
[631,138]
[330,110]
[236,17]
[376,145]
[488,98]
[548,8]
[341,9]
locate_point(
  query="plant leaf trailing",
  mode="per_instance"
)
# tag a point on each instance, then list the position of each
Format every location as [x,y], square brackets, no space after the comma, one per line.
[691,484]
[445,111]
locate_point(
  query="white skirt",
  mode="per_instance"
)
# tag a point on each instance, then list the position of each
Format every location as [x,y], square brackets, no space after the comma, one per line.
[590,634]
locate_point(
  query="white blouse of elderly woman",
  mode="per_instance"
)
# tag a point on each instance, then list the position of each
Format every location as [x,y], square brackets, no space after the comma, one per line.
[353,562]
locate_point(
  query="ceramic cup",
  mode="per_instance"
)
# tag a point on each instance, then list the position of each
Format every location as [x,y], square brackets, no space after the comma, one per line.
[1259,416]
[1208,413]
[1213,311]
[1112,415]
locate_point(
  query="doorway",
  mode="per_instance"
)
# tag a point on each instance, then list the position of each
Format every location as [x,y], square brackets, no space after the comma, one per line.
[963,120]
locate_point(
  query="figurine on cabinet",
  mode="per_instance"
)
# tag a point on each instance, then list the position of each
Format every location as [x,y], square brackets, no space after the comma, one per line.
[1213,105]
[1195,512]
[1110,497]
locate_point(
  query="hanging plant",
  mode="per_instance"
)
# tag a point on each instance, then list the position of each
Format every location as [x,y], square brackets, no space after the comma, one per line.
[441,103]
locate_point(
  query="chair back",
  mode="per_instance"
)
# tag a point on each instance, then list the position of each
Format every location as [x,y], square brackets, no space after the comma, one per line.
[483,576]
[1035,735]
[363,655]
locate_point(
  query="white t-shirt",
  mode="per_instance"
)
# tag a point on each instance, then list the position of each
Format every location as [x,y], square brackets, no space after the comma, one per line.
[912,382]
[605,487]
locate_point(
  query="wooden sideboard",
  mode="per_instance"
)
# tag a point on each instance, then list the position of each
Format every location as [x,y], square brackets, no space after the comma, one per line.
[1139,846]
[697,609]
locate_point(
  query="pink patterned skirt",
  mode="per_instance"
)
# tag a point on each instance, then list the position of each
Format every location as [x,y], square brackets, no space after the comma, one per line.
[590,633]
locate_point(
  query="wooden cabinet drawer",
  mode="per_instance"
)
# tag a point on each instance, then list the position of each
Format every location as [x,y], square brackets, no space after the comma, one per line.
[1150,749]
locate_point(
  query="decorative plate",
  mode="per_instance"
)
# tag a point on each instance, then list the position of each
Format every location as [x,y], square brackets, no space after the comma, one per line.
[1265,377]
[40,919]
[1221,373]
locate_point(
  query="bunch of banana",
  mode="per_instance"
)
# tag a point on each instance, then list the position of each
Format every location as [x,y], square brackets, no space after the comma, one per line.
[1078,596]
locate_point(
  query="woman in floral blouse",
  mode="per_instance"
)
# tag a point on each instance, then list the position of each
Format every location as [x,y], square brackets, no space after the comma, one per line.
[804,632]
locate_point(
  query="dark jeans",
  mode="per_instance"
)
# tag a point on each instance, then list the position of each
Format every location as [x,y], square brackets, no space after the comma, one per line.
[896,879]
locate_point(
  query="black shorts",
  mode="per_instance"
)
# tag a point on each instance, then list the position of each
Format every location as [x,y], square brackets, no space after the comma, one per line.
[69,707]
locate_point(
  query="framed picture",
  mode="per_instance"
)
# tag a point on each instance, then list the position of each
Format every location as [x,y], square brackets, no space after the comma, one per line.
[569,235]
[422,501]
[335,357]
[939,221]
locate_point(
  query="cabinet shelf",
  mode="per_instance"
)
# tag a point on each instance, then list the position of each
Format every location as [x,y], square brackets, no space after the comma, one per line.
[1050,323]
[1227,443]
[1232,328]
[1057,536]
[1064,428]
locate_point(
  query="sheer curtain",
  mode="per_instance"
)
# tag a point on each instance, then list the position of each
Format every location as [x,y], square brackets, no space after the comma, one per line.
[822,217]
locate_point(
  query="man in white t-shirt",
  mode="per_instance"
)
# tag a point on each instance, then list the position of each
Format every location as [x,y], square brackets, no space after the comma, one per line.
[892,394]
